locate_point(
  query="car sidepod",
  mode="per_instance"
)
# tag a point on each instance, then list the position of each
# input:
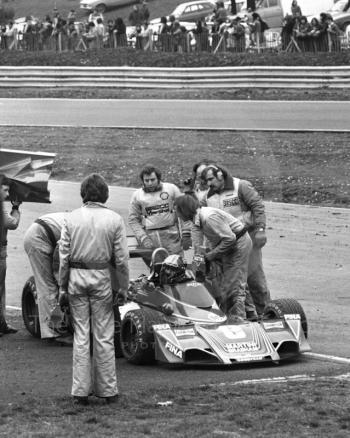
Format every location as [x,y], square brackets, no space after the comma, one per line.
[228,344]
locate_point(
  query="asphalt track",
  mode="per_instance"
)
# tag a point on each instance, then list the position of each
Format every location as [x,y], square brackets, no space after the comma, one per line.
[178,114]
[307,256]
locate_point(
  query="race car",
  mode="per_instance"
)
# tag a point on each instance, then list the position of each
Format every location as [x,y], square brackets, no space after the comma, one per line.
[173,318]
[179,322]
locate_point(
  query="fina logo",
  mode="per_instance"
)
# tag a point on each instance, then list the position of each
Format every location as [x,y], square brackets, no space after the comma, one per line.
[177,352]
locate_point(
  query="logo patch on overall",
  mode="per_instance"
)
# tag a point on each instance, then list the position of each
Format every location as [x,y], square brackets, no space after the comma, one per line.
[164,196]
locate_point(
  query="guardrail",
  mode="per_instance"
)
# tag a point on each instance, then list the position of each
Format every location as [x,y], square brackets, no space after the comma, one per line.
[147,77]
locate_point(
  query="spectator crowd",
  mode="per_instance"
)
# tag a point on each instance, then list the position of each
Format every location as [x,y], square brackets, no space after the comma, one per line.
[220,32]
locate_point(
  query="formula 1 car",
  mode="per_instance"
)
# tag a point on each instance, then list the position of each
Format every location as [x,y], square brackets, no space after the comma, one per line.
[179,322]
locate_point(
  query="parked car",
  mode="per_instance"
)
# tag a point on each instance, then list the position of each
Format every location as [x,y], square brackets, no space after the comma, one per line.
[103,5]
[190,12]
[341,17]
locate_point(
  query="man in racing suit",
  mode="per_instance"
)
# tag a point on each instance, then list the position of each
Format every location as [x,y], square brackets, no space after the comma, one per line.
[10,221]
[152,217]
[40,241]
[239,198]
[92,238]
[229,243]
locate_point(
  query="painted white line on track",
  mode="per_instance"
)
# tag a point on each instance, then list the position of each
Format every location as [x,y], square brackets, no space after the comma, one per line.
[180,128]
[284,379]
[328,357]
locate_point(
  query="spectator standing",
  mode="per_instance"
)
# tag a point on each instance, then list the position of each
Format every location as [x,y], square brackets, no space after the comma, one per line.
[92,237]
[95,14]
[251,6]
[10,222]
[295,9]
[144,12]
[135,17]
[120,32]
[71,17]
[333,35]
[152,216]
[256,29]
[240,199]
[233,7]
[229,244]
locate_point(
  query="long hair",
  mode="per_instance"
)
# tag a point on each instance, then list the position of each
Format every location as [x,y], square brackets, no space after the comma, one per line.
[186,206]
[94,188]
[148,170]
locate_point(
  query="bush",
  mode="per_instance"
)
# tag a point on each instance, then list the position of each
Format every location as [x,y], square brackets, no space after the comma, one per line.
[131,57]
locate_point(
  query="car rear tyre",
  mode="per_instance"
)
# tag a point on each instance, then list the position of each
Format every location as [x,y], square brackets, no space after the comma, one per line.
[101,8]
[117,332]
[279,308]
[30,311]
[137,338]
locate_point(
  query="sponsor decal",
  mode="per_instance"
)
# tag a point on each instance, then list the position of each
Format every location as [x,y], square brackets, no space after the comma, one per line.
[173,349]
[292,316]
[249,359]
[164,196]
[273,325]
[233,332]
[161,326]
[192,284]
[240,347]
[227,203]
[157,209]
[184,332]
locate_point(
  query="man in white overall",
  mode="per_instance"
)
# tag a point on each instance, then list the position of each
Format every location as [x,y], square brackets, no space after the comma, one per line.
[93,237]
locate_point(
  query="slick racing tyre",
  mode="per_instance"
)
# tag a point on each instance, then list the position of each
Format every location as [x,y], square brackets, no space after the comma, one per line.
[279,308]
[137,339]
[117,331]
[30,312]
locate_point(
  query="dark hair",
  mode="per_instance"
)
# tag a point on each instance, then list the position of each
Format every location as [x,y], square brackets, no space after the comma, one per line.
[215,169]
[94,188]
[205,161]
[148,170]
[187,206]
[4,180]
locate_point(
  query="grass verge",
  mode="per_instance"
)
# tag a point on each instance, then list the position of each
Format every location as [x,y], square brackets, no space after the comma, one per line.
[297,409]
[305,168]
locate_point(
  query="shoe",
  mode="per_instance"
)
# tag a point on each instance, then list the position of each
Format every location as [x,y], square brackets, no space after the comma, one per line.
[112,399]
[7,329]
[65,340]
[79,400]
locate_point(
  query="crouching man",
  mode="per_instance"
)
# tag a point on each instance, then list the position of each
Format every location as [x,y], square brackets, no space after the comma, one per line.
[40,241]
[229,244]
[92,237]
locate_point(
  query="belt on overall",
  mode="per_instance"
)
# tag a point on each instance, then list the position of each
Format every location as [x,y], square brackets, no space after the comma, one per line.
[49,232]
[89,265]
[161,228]
[241,233]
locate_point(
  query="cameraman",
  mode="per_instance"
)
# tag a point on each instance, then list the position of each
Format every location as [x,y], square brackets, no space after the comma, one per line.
[10,221]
